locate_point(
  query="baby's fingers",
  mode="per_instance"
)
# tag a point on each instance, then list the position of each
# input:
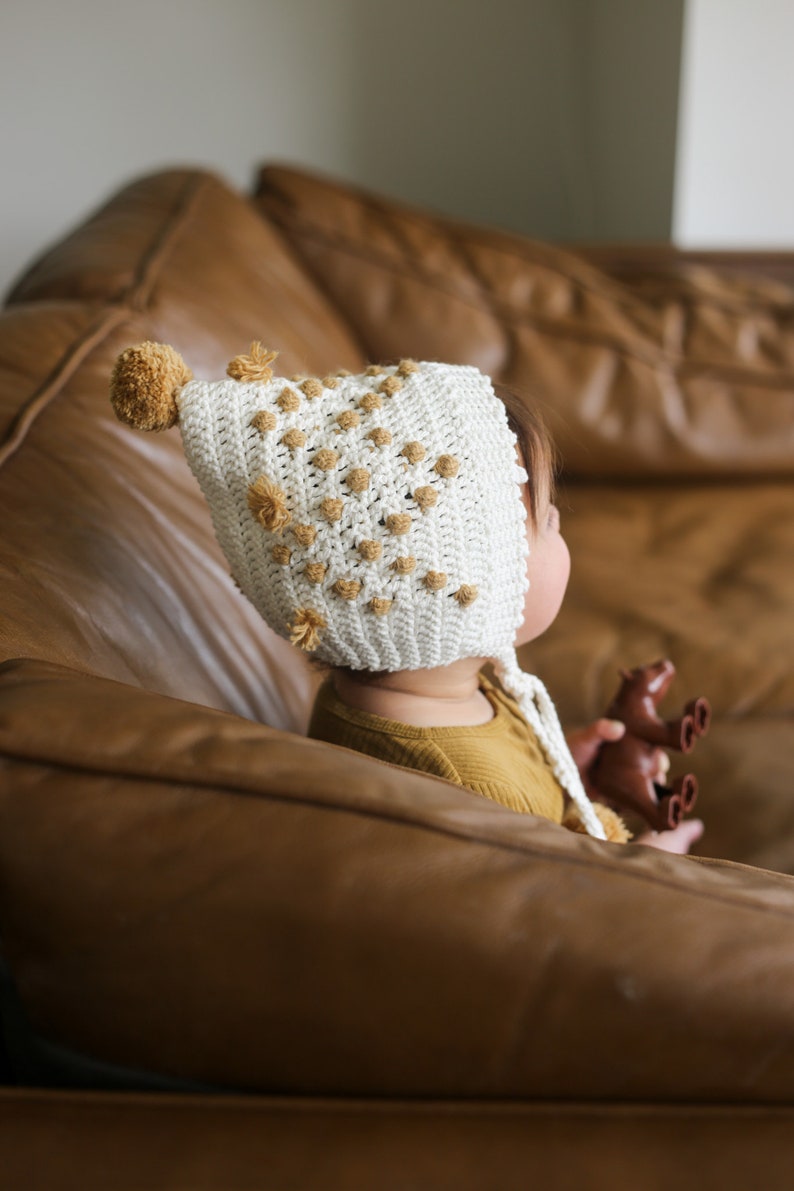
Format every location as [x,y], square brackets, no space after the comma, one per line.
[679,840]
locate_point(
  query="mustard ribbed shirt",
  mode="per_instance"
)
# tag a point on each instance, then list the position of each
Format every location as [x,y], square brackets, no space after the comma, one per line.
[501,760]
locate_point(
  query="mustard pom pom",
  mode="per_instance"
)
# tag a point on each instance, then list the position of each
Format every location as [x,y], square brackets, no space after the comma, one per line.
[305,628]
[254,367]
[268,504]
[145,384]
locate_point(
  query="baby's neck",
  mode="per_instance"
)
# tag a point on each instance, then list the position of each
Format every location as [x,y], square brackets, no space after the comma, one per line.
[442,697]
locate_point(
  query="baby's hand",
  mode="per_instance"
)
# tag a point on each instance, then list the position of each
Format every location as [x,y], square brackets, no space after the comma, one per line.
[679,840]
[584,744]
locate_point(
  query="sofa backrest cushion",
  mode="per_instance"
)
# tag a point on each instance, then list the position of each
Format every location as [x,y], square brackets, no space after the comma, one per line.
[110,558]
[689,380]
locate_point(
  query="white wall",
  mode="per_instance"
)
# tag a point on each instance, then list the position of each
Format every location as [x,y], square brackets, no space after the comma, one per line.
[628,70]
[735,170]
[93,93]
[550,117]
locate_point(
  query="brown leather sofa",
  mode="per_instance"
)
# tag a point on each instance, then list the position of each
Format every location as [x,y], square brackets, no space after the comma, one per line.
[233,957]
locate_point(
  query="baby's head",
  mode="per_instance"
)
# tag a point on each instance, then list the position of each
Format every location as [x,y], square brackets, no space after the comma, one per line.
[377,521]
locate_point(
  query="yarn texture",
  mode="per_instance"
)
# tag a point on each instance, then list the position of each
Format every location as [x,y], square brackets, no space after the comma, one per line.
[375,520]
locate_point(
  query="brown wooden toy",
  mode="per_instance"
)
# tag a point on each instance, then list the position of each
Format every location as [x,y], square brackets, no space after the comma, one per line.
[624,771]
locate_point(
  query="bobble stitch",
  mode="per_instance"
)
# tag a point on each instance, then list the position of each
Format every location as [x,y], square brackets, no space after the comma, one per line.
[370,401]
[304,630]
[348,419]
[343,372]
[267,502]
[326,459]
[404,566]
[311,388]
[435,580]
[425,497]
[466,594]
[347,589]
[330,382]
[281,555]
[254,366]
[373,370]
[380,607]
[380,436]
[315,571]
[447,466]
[304,534]
[407,367]
[414,452]
[370,551]
[331,508]
[294,439]
[358,479]
[264,421]
[398,523]
[289,401]
[390,386]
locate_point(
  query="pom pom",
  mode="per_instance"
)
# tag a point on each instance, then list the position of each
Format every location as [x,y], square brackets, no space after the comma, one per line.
[254,366]
[305,628]
[268,504]
[145,383]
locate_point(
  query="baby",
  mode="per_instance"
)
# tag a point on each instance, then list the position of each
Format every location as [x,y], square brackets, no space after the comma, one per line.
[399,527]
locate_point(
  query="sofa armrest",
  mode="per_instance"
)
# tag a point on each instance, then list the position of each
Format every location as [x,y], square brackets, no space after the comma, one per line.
[192,894]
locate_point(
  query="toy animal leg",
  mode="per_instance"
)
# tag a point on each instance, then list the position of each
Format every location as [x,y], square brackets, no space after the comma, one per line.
[686,788]
[681,734]
[700,710]
[670,810]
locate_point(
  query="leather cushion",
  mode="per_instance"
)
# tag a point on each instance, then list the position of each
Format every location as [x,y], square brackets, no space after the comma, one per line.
[696,383]
[190,893]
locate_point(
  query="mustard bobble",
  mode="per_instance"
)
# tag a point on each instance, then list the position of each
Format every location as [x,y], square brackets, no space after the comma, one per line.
[398,523]
[414,452]
[331,509]
[326,459]
[435,580]
[264,421]
[425,497]
[288,401]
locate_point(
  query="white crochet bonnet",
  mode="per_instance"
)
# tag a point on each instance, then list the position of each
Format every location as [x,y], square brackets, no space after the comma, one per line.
[374,520]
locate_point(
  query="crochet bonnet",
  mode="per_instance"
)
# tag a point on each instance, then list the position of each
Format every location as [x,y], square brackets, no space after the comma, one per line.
[374,520]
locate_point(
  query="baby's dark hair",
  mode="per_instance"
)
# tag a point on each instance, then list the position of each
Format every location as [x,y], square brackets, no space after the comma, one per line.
[537,448]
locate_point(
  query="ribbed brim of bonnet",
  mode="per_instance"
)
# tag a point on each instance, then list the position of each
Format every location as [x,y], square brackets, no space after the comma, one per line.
[375,520]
